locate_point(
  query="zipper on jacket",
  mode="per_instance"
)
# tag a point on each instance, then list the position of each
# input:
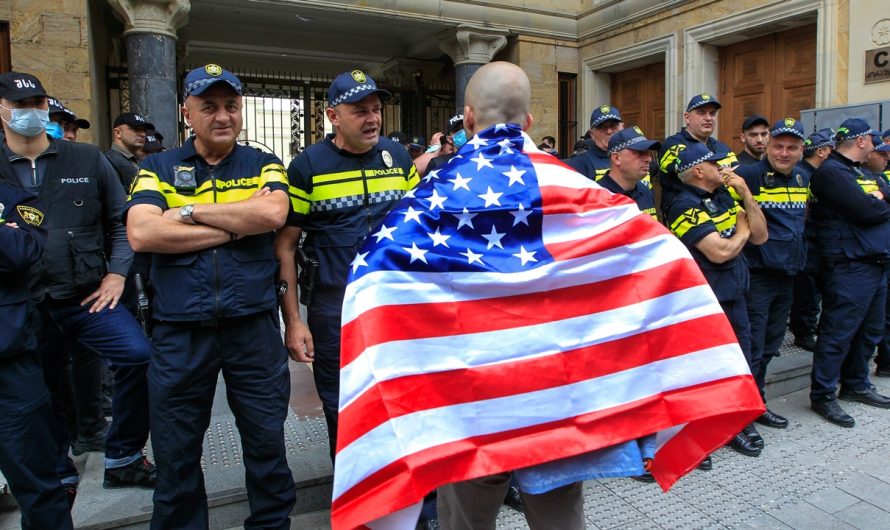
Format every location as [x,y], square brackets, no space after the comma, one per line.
[367,198]
[215,255]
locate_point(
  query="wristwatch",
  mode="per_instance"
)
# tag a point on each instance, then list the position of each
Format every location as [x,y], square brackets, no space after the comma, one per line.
[185,214]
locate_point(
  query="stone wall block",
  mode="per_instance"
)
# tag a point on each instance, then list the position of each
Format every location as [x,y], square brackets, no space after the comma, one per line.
[30,57]
[25,28]
[77,60]
[61,30]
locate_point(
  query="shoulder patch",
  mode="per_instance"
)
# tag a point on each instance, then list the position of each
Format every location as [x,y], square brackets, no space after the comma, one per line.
[30,215]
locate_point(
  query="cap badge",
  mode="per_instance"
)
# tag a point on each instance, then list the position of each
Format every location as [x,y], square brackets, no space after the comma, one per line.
[638,130]
[387,158]
[358,76]
[789,122]
[706,96]
[213,69]
[604,109]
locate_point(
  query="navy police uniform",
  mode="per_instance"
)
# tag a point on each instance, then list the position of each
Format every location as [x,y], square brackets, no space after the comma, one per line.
[694,214]
[782,198]
[667,160]
[27,442]
[84,200]
[807,290]
[641,194]
[216,309]
[337,199]
[853,237]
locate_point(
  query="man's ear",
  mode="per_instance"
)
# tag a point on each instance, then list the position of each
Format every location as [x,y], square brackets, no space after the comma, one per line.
[469,121]
[529,120]
[331,113]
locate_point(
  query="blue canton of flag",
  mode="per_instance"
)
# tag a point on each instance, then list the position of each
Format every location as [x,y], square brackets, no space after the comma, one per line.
[486,216]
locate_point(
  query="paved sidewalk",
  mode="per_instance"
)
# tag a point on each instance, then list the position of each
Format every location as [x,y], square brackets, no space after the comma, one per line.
[812,475]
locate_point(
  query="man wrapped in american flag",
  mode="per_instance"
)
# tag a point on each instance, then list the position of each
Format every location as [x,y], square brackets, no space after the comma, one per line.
[511,315]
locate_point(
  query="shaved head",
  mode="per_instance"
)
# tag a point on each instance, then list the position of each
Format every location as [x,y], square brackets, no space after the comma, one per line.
[499,92]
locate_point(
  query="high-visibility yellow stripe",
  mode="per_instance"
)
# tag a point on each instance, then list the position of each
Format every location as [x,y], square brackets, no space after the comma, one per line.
[273,173]
[328,178]
[782,195]
[867,185]
[230,190]
[669,157]
[357,187]
[729,160]
[413,177]
[299,204]
[690,219]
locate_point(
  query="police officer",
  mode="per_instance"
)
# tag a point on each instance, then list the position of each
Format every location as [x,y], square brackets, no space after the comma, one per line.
[605,121]
[340,189]
[207,212]
[128,137]
[456,138]
[782,197]
[27,442]
[64,123]
[850,217]
[876,164]
[807,290]
[83,399]
[755,133]
[701,120]
[78,289]
[630,154]
[715,229]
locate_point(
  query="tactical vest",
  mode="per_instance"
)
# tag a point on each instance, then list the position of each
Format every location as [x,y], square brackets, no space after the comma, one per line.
[74,259]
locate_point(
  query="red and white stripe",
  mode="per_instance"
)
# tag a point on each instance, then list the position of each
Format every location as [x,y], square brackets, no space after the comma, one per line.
[538,365]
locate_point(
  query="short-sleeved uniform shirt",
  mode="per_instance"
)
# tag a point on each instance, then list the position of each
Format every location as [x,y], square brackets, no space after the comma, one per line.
[694,214]
[338,197]
[230,280]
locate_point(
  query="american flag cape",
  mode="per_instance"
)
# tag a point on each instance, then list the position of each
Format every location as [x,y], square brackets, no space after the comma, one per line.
[510,312]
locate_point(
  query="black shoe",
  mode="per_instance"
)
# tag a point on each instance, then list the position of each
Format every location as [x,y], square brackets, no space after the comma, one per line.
[743,445]
[514,500]
[883,371]
[753,436]
[706,464]
[94,443]
[806,342]
[831,411]
[645,477]
[140,473]
[867,396]
[771,419]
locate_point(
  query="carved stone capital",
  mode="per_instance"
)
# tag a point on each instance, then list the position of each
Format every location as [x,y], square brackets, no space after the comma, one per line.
[472,45]
[161,17]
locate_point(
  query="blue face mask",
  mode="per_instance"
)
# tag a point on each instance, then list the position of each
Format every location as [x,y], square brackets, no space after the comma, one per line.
[459,138]
[28,122]
[54,130]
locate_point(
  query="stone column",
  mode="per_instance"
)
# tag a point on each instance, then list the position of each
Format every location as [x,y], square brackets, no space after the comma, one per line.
[470,48]
[150,35]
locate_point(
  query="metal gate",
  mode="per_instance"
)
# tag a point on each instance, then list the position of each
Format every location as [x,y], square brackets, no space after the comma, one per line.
[285,112]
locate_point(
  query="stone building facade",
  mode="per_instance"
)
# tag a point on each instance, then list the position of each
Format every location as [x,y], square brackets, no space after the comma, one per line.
[648,57]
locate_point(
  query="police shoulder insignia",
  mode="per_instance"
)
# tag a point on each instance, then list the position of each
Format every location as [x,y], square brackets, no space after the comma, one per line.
[638,130]
[691,217]
[358,76]
[387,158]
[605,108]
[30,215]
[213,69]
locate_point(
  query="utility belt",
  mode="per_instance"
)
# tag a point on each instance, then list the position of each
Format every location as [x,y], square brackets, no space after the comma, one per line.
[216,322]
[831,262]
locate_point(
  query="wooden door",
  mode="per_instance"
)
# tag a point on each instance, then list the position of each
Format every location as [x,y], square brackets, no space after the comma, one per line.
[773,75]
[639,95]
